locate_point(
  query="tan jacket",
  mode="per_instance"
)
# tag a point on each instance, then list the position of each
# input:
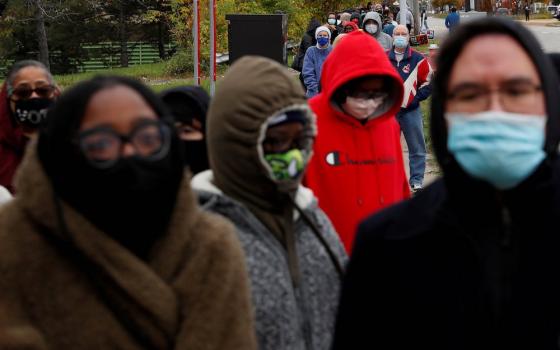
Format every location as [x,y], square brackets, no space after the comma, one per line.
[66,285]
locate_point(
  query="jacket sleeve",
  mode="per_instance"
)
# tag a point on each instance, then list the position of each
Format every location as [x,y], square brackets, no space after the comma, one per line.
[309,79]
[424,81]
[214,288]
[447,21]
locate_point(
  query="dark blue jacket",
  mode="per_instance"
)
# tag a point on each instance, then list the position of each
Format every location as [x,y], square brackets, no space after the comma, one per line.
[416,74]
[452,20]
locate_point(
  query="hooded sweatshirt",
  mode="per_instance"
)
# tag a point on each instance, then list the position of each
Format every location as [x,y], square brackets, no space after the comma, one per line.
[385,40]
[187,103]
[357,168]
[466,265]
[12,142]
[313,64]
[294,264]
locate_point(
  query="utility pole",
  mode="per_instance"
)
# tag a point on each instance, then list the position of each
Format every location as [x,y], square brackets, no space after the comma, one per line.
[402,6]
[416,16]
[196,41]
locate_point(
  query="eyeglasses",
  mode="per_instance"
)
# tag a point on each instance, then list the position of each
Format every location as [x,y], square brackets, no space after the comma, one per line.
[368,95]
[24,92]
[103,146]
[516,96]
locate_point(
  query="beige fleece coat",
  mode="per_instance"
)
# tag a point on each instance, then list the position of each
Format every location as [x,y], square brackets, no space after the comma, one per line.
[82,290]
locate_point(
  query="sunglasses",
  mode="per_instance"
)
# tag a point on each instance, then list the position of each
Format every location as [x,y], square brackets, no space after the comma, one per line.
[25,92]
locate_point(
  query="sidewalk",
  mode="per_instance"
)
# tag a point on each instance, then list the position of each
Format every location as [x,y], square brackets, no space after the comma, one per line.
[432,171]
[540,22]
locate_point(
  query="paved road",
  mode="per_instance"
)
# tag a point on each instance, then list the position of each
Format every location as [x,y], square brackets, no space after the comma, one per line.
[549,37]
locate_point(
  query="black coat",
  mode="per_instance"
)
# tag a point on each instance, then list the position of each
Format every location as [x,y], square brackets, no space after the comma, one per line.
[308,39]
[462,265]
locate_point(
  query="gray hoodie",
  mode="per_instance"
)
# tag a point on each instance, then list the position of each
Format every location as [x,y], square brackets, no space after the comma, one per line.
[286,318]
[295,262]
[383,39]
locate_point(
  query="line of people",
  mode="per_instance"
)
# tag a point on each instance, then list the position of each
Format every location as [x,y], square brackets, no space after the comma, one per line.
[108,243]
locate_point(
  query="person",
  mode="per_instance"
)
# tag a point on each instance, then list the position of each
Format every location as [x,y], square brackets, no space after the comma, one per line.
[260,136]
[350,26]
[389,25]
[116,254]
[26,94]
[357,167]
[189,105]
[332,25]
[345,17]
[470,263]
[416,73]
[452,20]
[527,12]
[355,17]
[308,40]
[409,19]
[373,26]
[313,61]
[338,38]
[432,56]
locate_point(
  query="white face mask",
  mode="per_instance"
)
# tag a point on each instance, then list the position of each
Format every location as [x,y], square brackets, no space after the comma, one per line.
[371,28]
[361,108]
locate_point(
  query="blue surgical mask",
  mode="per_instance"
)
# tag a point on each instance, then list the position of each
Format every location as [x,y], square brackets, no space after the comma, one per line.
[322,41]
[498,147]
[401,42]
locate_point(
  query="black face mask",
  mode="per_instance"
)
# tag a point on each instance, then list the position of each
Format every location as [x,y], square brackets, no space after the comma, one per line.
[31,113]
[196,156]
[132,201]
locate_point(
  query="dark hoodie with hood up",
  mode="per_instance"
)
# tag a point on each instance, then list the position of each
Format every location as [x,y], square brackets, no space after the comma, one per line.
[187,103]
[463,265]
[293,254]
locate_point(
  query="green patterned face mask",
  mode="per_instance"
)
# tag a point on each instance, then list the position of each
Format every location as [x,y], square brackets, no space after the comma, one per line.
[286,166]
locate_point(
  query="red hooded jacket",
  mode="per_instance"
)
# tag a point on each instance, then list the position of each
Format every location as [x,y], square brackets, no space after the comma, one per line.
[12,143]
[356,168]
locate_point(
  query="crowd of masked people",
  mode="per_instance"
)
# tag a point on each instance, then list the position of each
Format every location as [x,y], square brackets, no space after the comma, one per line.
[261,219]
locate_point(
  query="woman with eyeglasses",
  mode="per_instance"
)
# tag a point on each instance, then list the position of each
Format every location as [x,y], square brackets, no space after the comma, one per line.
[472,261]
[104,246]
[28,91]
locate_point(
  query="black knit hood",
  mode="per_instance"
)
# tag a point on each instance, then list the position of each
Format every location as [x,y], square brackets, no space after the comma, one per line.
[453,47]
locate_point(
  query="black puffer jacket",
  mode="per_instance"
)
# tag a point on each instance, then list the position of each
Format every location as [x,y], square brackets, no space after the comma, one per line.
[307,41]
[462,265]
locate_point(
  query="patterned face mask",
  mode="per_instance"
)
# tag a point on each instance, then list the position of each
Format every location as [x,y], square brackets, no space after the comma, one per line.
[286,166]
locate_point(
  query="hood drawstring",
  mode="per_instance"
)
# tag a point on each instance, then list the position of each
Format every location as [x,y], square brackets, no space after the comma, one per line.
[338,266]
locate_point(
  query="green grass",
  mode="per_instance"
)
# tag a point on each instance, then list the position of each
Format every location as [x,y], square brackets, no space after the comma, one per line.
[143,71]
[545,15]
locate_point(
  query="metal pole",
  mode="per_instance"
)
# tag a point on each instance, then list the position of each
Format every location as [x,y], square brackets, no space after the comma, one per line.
[212,47]
[416,16]
[196,41]
[402,6]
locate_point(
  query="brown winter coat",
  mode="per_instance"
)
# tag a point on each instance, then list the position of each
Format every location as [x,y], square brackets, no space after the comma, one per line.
[78,291]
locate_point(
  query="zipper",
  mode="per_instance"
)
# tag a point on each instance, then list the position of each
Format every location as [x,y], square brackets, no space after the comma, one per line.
[507,263]
[507,235]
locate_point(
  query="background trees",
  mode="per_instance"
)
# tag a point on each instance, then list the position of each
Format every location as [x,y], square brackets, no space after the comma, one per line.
[56,31]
